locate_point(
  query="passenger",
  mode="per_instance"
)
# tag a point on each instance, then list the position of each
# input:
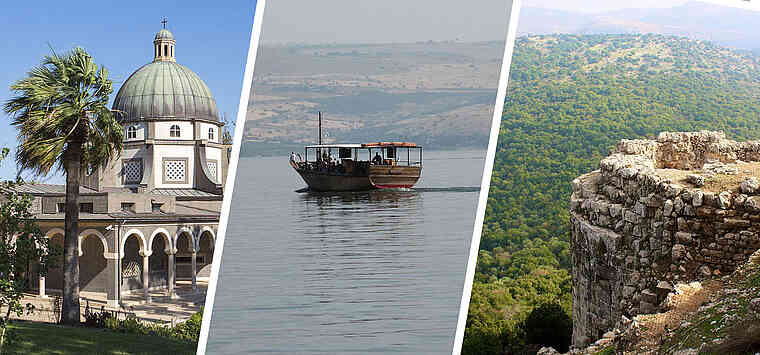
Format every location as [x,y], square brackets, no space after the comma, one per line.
[293,156]
[377,160]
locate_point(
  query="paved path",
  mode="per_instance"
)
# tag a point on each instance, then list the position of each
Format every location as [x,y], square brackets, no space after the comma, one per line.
[161,309]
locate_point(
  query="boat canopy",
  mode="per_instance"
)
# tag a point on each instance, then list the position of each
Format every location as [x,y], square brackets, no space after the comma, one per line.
[390,144]
[366,145]
[334,146]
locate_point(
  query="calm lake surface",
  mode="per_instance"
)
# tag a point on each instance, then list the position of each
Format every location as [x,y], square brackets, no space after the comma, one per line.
[349,273]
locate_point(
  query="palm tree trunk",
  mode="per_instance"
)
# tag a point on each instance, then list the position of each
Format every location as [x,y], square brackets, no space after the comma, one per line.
[70,306]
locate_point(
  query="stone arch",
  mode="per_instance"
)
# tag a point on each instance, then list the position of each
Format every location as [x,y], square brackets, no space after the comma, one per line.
[95,232]
[166,236]
[211,234]
[189,232]
[92,262]
[185,246]
[133,248]
[54,276]
[54,231]
[158,260]
[140,237]
[205,255]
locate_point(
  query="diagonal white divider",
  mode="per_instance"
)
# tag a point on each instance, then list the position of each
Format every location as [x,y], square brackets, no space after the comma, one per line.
[245,94]
[513,12]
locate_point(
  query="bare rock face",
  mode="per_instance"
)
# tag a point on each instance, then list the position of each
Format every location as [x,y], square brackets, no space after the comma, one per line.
[750,186]
[651,216]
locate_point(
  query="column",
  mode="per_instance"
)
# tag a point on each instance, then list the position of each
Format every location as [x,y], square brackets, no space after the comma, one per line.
[42,287]
[172,275]
[195,253]
[146,276]
[112,287]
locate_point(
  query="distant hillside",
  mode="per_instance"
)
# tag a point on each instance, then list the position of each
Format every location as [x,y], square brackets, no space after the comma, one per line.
[438,94]
[570,98]
[724,25]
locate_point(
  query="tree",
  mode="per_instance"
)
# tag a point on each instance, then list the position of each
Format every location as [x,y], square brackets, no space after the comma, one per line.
[22,244]
[63,122]
[226,135]
[549,325]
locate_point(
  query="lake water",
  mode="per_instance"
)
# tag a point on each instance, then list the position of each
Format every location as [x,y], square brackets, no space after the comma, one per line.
[345,273]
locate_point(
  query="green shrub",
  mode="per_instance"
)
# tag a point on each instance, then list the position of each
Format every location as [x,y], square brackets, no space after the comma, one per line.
[188,331]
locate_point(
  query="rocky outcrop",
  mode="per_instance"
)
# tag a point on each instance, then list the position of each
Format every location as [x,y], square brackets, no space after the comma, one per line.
[685,206]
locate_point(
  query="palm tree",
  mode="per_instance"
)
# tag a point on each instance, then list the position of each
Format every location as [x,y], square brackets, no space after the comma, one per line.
[60,111]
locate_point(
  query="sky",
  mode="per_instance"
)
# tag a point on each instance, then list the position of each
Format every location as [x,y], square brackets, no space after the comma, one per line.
[385,21]
[597,6]
[212,40]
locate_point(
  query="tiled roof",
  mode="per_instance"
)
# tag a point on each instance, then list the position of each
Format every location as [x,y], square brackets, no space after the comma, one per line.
[47,189]
[61,189]
[183,192]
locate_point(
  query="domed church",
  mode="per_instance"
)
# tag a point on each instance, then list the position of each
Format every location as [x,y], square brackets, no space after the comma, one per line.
[172,133]
[148,218]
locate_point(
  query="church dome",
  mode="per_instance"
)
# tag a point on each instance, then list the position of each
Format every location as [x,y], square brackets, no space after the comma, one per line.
[164,34]
[164,89]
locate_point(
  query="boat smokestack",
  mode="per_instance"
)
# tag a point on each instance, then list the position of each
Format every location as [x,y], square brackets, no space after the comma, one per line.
[320,128]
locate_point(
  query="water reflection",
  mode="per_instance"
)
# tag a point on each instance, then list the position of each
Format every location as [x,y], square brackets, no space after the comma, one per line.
[344,273]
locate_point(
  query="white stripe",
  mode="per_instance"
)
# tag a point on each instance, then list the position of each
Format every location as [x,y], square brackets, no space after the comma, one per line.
[245,94]
[512,16]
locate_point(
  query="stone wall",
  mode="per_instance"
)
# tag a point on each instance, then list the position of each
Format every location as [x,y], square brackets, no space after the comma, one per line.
[682,207]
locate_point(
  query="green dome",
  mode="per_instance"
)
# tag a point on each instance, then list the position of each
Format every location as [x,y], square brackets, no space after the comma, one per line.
[164,90]
[164,34]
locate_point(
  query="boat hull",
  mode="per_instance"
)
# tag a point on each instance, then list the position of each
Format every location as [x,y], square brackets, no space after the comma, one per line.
[384,176]
[378,177]
[319,181]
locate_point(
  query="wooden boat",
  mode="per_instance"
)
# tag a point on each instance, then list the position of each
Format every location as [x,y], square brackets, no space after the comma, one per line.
[350,172]
[359,167]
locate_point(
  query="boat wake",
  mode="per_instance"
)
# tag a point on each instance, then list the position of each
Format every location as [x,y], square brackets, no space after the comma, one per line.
[447,189]
[415,189]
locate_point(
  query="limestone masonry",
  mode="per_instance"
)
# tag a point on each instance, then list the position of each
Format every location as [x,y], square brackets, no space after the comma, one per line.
[683,207]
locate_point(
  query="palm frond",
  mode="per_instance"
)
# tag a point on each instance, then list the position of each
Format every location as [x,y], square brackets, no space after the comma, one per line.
[60,102]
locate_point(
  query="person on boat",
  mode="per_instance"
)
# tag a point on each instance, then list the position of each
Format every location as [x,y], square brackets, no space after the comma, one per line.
[293,156]
[377,160]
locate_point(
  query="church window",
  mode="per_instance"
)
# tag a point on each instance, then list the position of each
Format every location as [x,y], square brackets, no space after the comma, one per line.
[211,165]
[211,134]
[86,207]
[166,51]
[175,171]
[131,132]
[132,171]
[174,131]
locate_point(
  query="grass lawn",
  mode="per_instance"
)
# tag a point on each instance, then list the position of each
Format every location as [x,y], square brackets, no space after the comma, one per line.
[42,338]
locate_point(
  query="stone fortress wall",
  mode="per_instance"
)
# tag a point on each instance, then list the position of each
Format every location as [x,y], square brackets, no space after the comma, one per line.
[683,207]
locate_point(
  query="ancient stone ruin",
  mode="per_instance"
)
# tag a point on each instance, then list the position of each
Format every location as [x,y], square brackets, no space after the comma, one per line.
[683,207]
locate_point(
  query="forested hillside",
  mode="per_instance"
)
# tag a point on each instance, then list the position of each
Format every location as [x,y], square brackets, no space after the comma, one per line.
[570,99]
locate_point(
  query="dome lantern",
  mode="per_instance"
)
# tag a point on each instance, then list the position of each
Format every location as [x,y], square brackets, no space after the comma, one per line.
[163,45]
[165,90]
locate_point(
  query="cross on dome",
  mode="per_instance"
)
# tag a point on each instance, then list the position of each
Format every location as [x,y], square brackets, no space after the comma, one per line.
[163,45]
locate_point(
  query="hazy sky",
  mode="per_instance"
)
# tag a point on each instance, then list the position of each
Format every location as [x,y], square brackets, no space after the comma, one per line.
[212,40]
[372,21]
[596,6]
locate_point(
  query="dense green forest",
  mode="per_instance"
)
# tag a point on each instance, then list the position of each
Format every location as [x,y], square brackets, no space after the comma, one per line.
[570,98]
